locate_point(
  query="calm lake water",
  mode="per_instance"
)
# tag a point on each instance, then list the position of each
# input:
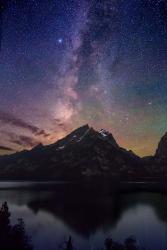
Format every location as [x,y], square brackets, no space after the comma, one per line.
[53,211]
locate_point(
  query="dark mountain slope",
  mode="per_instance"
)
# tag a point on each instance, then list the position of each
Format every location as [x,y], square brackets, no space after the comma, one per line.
[83,153]
[157,165]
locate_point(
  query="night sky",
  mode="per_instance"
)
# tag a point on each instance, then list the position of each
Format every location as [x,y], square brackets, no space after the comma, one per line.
[65,63]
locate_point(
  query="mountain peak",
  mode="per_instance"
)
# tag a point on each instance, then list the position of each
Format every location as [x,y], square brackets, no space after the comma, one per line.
[84,152]
[83,128]
[87,135]
[104,132]
[106,135]
[75,136]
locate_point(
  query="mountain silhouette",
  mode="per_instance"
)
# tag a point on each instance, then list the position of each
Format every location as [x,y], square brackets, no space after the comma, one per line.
[161,151]
[157,165]
[84,153]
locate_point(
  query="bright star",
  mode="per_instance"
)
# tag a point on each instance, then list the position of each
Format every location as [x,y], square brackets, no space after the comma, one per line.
[60,40]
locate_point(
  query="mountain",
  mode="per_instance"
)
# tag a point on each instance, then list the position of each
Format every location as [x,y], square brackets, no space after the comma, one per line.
[83,153]
[161,151]
[156,165]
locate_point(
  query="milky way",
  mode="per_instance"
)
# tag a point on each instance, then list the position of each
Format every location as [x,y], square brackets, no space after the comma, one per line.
[67,63]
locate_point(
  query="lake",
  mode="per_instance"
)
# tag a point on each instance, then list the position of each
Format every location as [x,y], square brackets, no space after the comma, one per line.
[54,211]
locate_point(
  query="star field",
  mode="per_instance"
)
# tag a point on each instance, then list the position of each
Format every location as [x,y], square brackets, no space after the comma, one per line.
[67,63]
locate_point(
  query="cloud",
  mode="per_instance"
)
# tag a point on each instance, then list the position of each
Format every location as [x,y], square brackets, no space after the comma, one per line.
[25,141]
[42,132]
[21,140]
[58,122]
[12,120]
[5,148]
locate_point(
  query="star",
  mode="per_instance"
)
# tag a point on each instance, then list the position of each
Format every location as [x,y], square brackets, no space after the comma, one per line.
[76,62]
[60,40]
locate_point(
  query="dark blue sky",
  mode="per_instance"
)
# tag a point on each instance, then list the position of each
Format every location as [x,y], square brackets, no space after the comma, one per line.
[65,63]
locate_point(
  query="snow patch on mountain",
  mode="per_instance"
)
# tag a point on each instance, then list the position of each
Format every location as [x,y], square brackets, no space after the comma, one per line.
[61,147]
[103,132]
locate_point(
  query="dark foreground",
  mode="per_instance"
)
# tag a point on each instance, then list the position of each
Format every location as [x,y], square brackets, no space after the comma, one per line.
[15,236]
[72,216]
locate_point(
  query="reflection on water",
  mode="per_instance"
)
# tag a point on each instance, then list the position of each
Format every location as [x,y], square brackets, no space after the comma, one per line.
[54,211]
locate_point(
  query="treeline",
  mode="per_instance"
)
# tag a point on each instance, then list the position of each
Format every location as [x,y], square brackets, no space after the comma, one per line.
[129,244]
[12,236]
[15,237]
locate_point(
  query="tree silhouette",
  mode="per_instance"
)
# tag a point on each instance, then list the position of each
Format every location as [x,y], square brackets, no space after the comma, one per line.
[12,237]
[131,244]
[15,237]
[20,238]
[112,245]
[69,244]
